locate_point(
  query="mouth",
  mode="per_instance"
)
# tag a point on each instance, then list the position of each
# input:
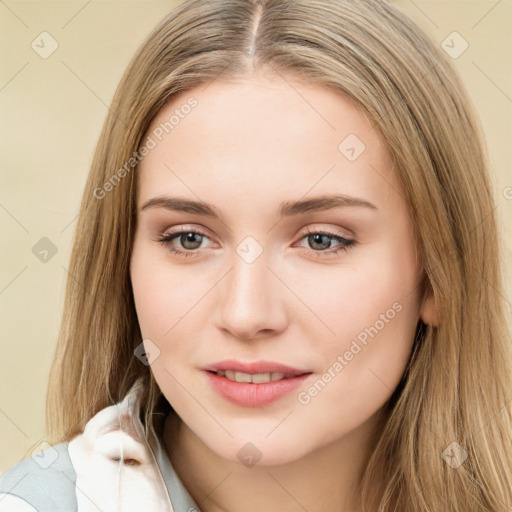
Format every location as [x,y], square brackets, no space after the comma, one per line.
[254,389]
[260,371]
[255,378]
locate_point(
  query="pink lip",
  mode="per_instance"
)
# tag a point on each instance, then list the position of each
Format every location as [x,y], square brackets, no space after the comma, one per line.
[255,367]
[248,394]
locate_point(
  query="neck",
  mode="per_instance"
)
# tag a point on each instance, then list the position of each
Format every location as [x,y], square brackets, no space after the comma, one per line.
[324,480]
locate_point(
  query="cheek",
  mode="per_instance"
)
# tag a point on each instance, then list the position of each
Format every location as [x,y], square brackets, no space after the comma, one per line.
[372,309]
[371,290]
[161,292]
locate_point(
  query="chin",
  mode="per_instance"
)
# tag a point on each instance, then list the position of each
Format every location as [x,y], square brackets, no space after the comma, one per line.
[259,451]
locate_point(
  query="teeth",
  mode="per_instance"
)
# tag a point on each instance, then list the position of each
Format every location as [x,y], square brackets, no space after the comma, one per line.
[257,378]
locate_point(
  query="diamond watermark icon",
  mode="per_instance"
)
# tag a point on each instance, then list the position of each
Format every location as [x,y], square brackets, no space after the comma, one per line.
[454,455]
[44,45]
[44,455]
[351,147]
[249,249]
[146,352]
[454,45]
[249,454]
[44,250]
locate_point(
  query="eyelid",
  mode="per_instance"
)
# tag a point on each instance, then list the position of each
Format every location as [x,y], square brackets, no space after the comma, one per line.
[316,228]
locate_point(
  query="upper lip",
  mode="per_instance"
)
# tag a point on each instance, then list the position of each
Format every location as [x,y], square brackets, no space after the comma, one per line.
[254,367]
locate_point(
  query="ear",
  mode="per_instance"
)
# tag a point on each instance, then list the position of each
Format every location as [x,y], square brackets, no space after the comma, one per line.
[429,311]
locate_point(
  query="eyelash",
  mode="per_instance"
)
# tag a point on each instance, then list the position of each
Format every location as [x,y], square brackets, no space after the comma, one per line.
[165,239]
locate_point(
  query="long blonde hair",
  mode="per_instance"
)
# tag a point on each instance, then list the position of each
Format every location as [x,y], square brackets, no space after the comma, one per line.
[457,385]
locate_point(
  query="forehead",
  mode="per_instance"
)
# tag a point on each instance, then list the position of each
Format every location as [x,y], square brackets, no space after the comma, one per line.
[267,135]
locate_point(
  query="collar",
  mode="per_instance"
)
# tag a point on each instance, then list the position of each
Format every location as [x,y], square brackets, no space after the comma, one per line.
[143,478]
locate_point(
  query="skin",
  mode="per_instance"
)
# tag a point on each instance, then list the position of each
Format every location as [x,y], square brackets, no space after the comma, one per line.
[249,145]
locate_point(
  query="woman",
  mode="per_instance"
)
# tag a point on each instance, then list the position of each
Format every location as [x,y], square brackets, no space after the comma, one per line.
[214,353]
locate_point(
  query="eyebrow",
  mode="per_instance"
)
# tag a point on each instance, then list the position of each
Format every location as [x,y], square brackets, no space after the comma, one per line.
[286,208]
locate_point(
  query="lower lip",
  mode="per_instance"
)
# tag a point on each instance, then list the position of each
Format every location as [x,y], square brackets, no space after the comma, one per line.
[248,394]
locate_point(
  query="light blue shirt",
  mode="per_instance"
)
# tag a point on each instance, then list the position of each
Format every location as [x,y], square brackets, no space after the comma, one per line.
[111,466]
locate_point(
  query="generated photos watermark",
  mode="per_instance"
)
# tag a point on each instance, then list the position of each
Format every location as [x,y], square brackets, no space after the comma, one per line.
[356,346]
[151,142]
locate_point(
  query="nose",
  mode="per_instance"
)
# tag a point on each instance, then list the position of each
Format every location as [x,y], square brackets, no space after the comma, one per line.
[252,300]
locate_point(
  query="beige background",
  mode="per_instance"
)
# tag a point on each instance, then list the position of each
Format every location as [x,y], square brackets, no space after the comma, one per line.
[52,110]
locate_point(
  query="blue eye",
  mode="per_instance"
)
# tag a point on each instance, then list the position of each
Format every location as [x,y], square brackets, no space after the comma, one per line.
[187,237]
[322,238]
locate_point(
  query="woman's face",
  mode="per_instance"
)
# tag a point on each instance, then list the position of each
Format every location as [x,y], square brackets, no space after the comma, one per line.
[329,287]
